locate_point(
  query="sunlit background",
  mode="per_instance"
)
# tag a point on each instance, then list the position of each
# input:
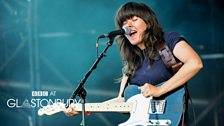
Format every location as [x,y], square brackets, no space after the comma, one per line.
[49,45]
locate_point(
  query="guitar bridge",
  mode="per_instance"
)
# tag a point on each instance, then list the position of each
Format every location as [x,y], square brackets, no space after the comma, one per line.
[157,106]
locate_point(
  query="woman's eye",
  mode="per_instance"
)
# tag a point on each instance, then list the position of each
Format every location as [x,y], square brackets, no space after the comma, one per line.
[134,19]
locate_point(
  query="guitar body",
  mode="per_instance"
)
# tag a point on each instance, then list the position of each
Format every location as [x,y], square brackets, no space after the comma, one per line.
[172,111]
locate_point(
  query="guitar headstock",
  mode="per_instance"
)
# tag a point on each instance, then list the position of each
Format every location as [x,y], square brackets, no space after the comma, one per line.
[51,109]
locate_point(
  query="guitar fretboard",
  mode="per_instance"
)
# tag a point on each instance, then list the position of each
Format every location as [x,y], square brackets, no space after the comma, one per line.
[105,107]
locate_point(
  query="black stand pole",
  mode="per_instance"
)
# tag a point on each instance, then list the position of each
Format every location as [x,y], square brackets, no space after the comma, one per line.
[80,91]
[83,101]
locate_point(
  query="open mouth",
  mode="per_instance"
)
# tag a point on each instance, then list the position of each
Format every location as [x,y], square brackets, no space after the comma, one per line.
[132,33]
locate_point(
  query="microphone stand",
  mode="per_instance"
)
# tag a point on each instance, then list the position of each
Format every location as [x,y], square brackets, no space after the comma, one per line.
[80,91]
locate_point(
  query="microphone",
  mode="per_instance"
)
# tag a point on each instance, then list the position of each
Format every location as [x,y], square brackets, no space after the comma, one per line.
[125,30]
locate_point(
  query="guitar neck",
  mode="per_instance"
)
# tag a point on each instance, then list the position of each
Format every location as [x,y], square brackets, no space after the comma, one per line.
[105,107]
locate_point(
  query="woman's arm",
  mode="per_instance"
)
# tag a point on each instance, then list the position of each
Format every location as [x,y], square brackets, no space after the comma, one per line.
[123,85]
[192,64]
[120,97]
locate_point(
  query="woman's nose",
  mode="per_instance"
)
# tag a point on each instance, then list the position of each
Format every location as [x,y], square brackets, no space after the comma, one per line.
[129,23]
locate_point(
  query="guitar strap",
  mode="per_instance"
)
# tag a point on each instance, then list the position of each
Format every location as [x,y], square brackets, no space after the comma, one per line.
[168,57]
[171,63]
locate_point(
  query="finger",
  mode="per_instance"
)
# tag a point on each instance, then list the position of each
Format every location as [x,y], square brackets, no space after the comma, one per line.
[140,87]
[68,111]
[144,94]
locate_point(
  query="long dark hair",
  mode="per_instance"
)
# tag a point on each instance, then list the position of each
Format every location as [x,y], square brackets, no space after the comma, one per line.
[132,55]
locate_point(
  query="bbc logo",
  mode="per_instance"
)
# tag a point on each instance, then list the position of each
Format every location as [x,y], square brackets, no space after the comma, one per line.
[39,93]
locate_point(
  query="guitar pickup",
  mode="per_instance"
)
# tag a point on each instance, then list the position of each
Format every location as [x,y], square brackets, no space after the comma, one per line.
[157,106]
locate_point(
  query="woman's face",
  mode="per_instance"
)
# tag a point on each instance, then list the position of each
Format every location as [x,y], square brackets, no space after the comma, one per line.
[138,27]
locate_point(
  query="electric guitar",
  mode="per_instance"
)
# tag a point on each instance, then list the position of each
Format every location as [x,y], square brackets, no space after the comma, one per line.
[166,111]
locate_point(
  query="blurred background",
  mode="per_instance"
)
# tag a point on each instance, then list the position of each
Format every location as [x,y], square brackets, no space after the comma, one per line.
[49,45]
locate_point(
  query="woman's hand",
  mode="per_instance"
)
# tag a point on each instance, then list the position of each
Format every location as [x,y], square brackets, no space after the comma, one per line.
[70,111]
[150,90]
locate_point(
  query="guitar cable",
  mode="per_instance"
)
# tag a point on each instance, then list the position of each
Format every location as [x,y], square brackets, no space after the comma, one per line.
[186,105]
[187,99]
[193,110]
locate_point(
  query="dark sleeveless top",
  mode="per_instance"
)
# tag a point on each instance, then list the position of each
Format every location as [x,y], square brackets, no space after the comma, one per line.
[157,72]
